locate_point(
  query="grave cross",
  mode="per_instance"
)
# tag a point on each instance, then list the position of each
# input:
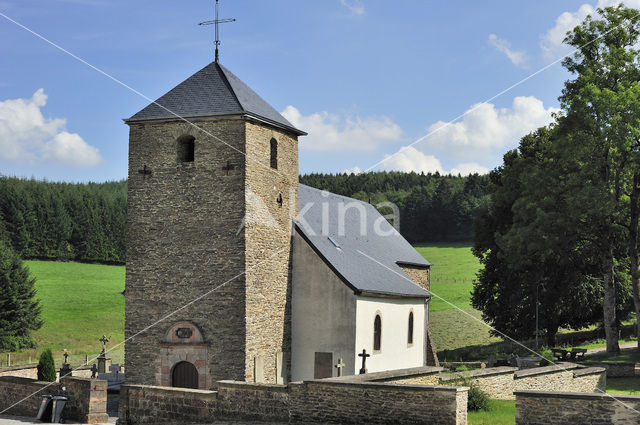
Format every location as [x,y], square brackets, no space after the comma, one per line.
[364,356]
[114,368]
[228,167]
[66,354]
[104,341]
[145,171]
[339,366]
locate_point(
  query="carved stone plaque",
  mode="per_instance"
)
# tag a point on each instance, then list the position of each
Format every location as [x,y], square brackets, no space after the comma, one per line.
[184,332]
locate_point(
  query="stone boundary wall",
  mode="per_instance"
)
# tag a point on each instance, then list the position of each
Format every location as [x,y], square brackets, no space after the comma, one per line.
[317,401]
[87,397]
[559,408]
[618,370]
[146,404]
[423,375]
[501,382]
[31,371]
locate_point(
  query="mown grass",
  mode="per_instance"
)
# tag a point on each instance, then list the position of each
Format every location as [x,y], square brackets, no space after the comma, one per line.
[80,303]
[501,412]
[623,385]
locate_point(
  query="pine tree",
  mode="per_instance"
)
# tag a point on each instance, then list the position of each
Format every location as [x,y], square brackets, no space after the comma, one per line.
[46,366]
[19,310]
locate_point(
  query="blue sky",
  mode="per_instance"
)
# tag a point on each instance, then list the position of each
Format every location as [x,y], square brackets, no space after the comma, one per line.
[365,78]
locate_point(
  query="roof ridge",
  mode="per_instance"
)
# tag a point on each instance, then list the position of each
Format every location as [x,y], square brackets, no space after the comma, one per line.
[229,86]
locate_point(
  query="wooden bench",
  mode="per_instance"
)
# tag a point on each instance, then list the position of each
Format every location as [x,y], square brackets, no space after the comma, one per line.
[560,354]
[573,355]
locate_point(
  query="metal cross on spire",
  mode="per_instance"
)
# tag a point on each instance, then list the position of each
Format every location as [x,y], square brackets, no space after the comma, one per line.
[216,23]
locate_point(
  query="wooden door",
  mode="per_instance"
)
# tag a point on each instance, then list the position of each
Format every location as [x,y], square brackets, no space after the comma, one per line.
[185,375]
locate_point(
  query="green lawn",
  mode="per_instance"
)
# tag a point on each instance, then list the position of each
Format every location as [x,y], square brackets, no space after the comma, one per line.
[80,303]
[623,385]
[501,412]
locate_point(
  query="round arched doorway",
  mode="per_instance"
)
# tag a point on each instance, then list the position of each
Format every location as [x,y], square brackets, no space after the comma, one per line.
[184,375]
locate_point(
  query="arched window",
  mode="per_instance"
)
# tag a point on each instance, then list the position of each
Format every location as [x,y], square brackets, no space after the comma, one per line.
[377,333]
[410,335]
[186,148]
[274,153]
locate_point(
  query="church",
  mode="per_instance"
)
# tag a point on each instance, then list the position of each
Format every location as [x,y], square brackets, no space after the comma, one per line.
[235,271]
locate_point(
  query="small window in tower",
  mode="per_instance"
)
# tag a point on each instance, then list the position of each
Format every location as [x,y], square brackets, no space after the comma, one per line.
[186,148]
[274,153]
[377,333]
[410,336]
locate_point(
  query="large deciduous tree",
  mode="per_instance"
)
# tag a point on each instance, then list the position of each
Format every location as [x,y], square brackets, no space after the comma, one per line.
[602,108]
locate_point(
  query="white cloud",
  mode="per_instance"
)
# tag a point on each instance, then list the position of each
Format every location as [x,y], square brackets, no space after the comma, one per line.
[552,45]
[408,159]
[517,57]
[486,130]
[26,135]
[356,7]
[330,132]
[353,170]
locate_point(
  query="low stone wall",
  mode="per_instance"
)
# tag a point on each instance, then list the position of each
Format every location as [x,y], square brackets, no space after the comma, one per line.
[501,382]
[31,371]
[377,403]
[145,404]
[559,408]
[318,401]
[423,375]
[87,397]
[618,370]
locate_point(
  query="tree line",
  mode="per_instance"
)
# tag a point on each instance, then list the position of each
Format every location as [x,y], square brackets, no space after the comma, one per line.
[433,207]
[65,221]
[561,230]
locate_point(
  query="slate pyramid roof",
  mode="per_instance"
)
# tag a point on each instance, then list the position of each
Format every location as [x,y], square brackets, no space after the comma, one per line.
[213,91]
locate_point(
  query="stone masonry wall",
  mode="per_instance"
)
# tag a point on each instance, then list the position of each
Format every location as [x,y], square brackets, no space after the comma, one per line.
[302,402]
[556,408]
[87,397]
[268,251]
[501,382]
[184,239]
[422,277]
[377,403]
[145,404]
[30,371]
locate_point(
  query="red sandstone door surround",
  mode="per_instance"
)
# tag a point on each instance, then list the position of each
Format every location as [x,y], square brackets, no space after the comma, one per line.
[183,358]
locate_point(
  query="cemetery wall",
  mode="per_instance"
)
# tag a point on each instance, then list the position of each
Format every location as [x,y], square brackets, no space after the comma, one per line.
[617,370]
[501,382]
[87,397]
[31,371]
[424,375]
[301,402]
[538,407]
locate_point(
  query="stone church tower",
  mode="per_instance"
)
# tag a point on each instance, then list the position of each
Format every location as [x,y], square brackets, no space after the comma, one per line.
[213,184]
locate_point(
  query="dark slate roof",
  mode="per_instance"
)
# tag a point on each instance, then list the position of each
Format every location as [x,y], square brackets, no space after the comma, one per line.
[387,246]
[213,91]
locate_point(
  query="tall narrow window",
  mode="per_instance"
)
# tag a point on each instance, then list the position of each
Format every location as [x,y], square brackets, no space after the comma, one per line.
[186,148]
[410,335]
[274,153]
[377,333]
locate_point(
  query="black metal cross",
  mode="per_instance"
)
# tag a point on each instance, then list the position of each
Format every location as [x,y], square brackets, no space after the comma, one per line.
[66,354]
[145,171]
[216,22]
[228,167]
[364,356]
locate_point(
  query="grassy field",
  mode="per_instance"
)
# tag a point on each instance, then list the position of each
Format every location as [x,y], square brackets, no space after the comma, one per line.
[501,412]
[453,270]
[80,303]
[623,385]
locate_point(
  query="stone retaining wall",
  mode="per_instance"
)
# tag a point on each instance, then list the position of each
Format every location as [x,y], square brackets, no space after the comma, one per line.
[302,402]
[501,382]
[558,408]
[31,371]
[87,397]
[423,375]
[617,370]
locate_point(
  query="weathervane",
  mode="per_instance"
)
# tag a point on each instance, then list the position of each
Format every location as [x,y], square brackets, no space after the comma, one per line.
[215,22]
